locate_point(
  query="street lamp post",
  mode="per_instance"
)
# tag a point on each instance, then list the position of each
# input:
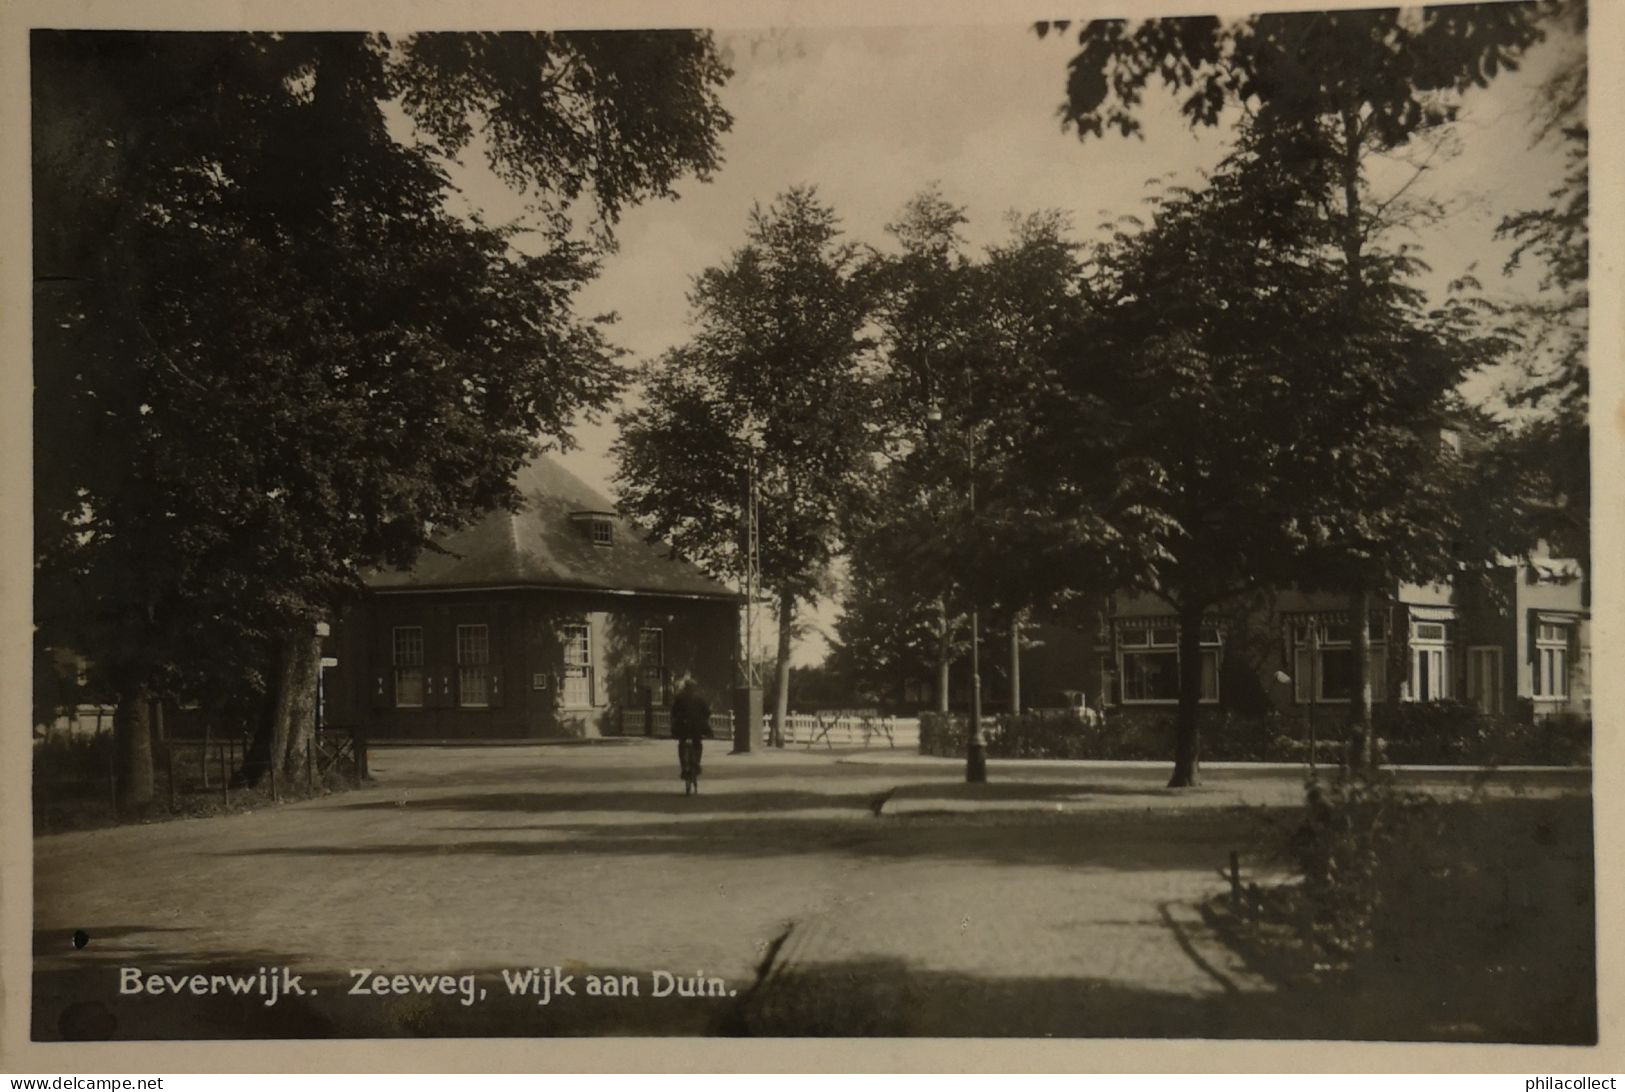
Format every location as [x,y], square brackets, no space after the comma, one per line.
[747,703]
[1314,687]
[975,746]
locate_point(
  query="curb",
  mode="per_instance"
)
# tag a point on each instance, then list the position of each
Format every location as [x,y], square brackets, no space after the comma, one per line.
[1143,764]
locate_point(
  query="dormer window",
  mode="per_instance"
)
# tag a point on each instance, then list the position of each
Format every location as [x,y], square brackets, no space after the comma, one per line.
[598,526]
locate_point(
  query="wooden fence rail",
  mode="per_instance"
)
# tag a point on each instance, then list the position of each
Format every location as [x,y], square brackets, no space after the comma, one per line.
[861,728]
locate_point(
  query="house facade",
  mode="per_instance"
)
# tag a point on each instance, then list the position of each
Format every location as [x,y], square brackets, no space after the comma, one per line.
[559,620]
[1514,640]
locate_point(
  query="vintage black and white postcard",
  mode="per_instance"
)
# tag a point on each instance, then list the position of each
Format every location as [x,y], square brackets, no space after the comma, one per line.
[562,525]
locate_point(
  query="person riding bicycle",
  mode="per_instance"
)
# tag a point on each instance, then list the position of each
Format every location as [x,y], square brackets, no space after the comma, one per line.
[690,724]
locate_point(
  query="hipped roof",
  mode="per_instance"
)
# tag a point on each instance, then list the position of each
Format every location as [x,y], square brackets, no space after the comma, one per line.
[542,545]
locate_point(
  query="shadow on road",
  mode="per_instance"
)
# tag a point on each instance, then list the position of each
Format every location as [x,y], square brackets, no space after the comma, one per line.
[881,997]
[631,800]
[1124,842]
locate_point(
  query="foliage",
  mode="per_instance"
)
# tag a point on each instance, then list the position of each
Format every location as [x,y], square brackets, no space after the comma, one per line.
[1450,732]
[1259,430]
[1556,385]
[1424,733]
[1324,93]
[1359,841]
[825,686]
[775,373]
[966,342]
[268,355]
[1393,63]
[773,390]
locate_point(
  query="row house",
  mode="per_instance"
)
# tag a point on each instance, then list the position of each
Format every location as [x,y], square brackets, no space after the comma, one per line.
[1513,638]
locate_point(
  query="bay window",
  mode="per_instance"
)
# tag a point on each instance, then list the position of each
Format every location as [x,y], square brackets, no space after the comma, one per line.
[1551,665]
[1324,663]
[1148,663]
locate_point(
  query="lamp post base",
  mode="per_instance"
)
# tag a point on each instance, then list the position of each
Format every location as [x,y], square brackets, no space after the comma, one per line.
[975,764]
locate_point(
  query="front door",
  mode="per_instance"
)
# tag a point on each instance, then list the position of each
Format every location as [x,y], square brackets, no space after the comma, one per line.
[1484,678]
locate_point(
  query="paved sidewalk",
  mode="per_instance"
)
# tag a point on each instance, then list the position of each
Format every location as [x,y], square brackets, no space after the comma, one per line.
[1050,901]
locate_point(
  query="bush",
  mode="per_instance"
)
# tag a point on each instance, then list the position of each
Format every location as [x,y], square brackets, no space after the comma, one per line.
[64,757]
[1050,735]
[1432,917]
[1360,844]
[1451,732]
[942,735]
[1443,733]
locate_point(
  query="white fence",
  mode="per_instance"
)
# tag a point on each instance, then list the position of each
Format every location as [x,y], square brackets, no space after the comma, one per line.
[844,729]
[847,729]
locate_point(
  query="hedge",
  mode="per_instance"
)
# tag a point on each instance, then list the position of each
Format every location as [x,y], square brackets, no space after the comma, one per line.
[1443,733]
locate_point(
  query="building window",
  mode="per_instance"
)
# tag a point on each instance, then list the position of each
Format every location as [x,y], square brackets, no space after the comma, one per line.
[599,527]
[652,664]
[1484,687]
[1551,670]
[1326,665]
[577,690]
[473,667]
[407,657]
[1431,665]
[1148,664]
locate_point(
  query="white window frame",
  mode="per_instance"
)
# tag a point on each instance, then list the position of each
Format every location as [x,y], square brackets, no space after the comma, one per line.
[1143,641]
[474,665]
[652,671]
[603,532]
[577,691]
[1301,668]
[1487,698]
[1440,661]
[1553,659]
[404,666]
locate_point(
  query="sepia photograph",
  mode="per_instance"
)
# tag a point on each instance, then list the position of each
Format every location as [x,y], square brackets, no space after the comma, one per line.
[993,528]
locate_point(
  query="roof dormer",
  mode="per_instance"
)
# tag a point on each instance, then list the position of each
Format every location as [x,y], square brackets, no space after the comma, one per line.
[598,526]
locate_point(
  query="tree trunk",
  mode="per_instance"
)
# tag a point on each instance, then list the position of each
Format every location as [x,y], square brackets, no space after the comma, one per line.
[944,657]
[1187,730]
[132,743]
[1015,664]
[289,717]
[1364,751]
[300,729]
[781,682]
[1352,230]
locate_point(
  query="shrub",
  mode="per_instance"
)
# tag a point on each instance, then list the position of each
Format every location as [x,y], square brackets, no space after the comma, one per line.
[67,757]
[1444,733]
[1450,732]
[1360,845]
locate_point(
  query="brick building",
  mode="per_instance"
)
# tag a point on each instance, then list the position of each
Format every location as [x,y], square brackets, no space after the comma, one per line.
[558,620]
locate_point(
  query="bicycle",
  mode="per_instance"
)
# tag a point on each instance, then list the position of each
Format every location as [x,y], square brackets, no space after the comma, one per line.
[688,759]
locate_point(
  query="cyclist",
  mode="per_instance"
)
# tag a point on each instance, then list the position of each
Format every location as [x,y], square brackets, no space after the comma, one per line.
[690,724]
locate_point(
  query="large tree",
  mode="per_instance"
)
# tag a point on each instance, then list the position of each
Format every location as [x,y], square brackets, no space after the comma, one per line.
[1248,437]
[771,396]
[1359,85]
[1555,238]
[950,526]
[270,354]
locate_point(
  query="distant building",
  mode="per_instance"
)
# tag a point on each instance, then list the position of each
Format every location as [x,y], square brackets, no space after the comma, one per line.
[1518,640]
[558,620]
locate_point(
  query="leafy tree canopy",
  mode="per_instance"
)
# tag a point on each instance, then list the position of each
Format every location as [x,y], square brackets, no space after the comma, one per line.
[268,356]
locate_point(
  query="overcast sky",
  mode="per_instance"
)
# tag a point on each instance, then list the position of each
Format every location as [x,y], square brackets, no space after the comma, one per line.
[871,116]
